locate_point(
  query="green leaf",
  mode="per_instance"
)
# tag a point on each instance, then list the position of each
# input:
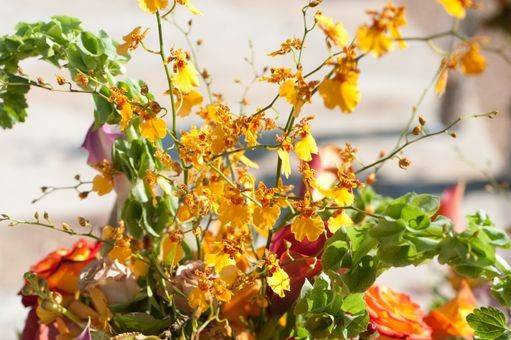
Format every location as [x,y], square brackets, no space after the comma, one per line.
[356,324]
[333,255]
[132,215]
[489,323]
[140,322]
[63,43]
[320,325]
[427,203]
[12,100]
[302,333]
[354,303]
[362,276]
[501,289]
[103,110]
[388,231]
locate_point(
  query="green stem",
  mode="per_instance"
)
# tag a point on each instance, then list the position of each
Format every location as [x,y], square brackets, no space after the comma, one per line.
[167,73]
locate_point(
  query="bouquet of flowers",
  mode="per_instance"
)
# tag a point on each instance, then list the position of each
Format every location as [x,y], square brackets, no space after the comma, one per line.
[200,248]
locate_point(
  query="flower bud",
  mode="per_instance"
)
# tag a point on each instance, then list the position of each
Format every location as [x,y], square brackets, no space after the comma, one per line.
[404,163]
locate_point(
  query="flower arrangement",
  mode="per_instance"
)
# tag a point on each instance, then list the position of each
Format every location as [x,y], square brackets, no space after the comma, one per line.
[202,249]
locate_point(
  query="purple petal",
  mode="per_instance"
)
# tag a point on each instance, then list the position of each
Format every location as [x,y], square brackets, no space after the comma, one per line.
[85,334]
[98,143]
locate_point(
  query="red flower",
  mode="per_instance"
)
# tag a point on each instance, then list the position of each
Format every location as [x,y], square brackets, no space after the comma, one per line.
[61,269]
[395,315]
[300,260]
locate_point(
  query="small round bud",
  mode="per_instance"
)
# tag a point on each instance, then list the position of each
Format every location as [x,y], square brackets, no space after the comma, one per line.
[404,163]
[144,89]
[61,80]
[66,227]
[82,221]
[422,120]
[83,195]
[371,179]
[155,107]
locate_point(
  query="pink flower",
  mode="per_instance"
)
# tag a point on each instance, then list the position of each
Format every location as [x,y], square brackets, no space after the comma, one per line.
[186,281]
[99,142]
[115,280]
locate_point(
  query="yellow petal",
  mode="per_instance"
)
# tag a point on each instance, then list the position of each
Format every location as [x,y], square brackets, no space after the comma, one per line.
[152,6]
[341,220]
[172,252]
[306,147]
[198,301]
[344,94]
[186,78]
[219,261]
[229,274]
[237,215]
[307,227]
[441,82]
[153,129]
[139,268]
[473,62]
[126,113]
[264,218]
[286,164]
[454,8]
[279,282]
[335,32]
[99,302]
[121,253]
[188,4]
[189,100]
[342,196]
[373,41]
[102,185]
[289,91]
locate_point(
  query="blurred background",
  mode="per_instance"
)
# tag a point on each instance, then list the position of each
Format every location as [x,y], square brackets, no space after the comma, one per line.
[46,149]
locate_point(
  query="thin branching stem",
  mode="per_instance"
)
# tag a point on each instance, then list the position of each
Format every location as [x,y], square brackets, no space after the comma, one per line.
[427,135]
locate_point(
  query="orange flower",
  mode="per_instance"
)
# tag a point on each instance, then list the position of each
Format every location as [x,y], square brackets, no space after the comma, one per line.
[395,315]
[245,303]
[61,269]
[449,319]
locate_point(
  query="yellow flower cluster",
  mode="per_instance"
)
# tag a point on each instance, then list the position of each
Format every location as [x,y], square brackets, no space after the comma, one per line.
[217,229]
